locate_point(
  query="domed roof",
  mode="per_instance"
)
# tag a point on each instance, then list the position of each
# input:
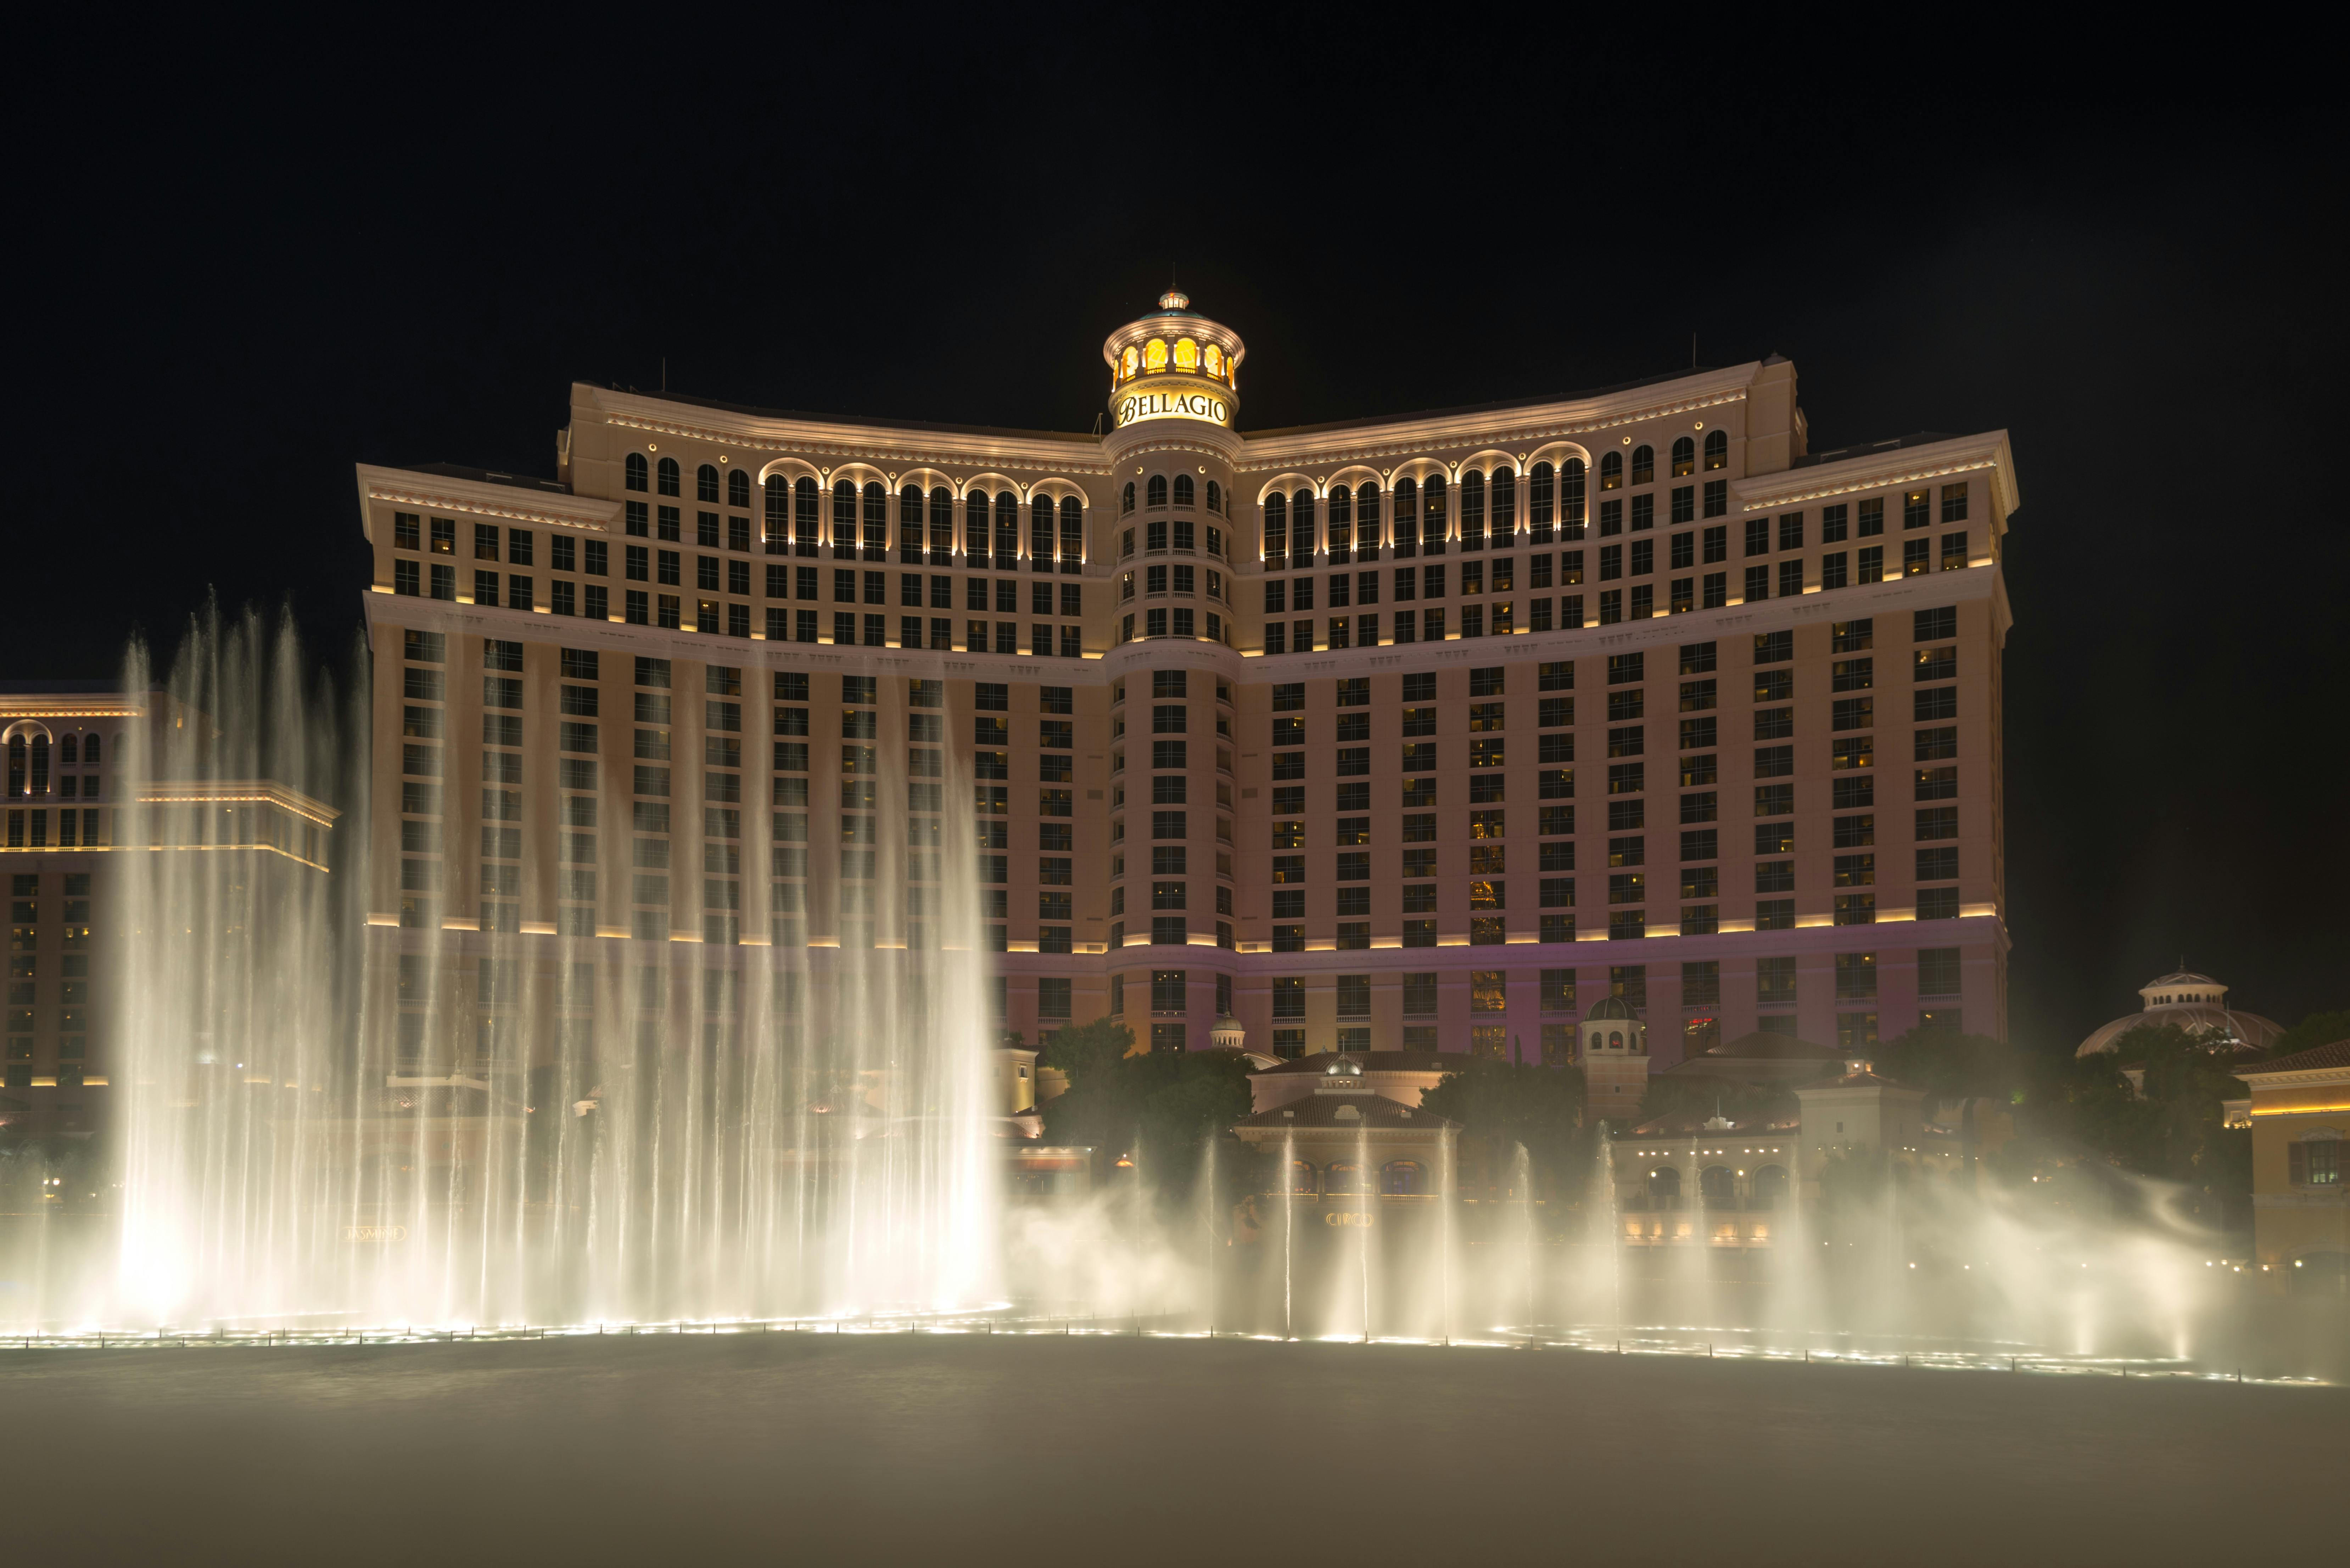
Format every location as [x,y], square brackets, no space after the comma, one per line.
[1611,1007]
[2194,1003]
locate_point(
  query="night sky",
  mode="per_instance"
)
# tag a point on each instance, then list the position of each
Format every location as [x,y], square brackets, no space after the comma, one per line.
[246,265]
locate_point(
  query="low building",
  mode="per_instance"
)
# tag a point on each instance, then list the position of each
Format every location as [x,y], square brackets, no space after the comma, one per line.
[2300,1114]
[1346,1140]
[70,816]
[1681,1178]
[1686,1177]
[1402,1076]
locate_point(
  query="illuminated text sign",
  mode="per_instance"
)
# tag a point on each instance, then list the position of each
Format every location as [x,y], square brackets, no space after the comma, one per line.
[1173,405]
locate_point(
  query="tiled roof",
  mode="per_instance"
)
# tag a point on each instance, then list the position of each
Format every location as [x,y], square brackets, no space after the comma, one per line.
[1375,1111]
[1689,1123]
[1374,1062]
[2314,1059]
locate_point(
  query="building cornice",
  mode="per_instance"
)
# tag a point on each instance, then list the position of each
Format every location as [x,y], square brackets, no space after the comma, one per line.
[70,705]
[223,792]
[2306,1078]
[1887,471]
[840,441]
[479,498]
[1523,426]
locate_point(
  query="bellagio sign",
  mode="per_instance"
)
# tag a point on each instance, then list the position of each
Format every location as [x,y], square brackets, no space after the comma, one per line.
[1173,404]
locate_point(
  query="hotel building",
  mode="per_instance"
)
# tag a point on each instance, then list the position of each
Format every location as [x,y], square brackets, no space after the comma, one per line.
[1422,733]
[76,804]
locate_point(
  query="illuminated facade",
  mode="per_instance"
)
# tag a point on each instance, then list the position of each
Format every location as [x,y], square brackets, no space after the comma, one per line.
[2299,1111]
[1415,733]
[70,746]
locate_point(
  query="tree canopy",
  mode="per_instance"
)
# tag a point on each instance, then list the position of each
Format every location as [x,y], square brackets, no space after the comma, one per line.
[1162,1108]
[2317,1029]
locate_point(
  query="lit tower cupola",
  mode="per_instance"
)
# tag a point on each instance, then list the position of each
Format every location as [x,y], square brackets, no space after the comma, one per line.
[1173,365]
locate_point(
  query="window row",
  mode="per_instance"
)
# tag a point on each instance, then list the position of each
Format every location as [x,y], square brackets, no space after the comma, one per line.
[1158,491]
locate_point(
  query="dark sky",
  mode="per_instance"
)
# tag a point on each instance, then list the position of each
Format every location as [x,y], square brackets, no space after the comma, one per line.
[246,263]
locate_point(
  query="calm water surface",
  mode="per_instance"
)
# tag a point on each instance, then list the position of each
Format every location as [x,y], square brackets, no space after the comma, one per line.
[868,1450]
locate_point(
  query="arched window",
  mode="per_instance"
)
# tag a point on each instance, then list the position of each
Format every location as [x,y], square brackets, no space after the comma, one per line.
[40,764]
[66,747]
[941,525]
[1717,1187]
[1007,530]
[1342,1175]
[705,483]
[1040,531]
[1770,1186]
[666,476]
[1665,1187]
[1717,449]
[1183,489]
[974,527]
[1157,490]
[910,524]
[1611,471]
[738,489]
[1073,533]
[1301,529]
[1276,529]
[1215,496]
[637,473]
[1401,1178]
[1367,519]
[1684,457]
[1339,526]
[806,511]
[844,519]
[18,756]
[1431,515]
[1505,503]
[1129,495]
[1301,1178]
[1407,519]
[1541,496]
[90,750]
[1570,498]
[1472,510]
[1615,1040]
[778,514]
[1644,465]
[877,522]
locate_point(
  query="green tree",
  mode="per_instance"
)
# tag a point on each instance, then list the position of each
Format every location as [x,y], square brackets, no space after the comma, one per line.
[1160,1108]
[2171,1126]
[2317,1029]
[1504,1106]
[1952,1064]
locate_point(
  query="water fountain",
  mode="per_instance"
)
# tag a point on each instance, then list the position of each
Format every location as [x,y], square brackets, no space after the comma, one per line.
[323,1122]
[613,1130]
